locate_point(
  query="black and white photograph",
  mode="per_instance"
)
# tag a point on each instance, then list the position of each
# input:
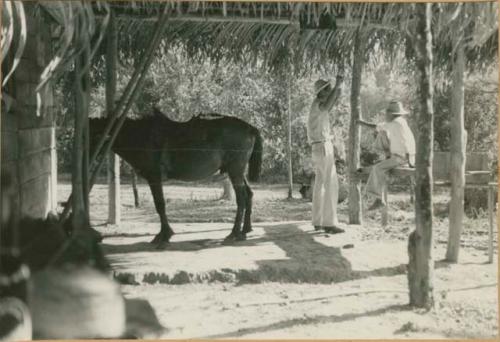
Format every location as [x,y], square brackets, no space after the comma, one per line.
[248,170]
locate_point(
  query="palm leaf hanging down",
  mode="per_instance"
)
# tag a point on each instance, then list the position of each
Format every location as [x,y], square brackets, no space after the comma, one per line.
[13,14]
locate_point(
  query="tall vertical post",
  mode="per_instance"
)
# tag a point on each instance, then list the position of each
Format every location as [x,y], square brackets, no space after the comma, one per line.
[79,178]
[289,136]
[355,215]
[114,205]
[53,169]
[114,202]
[421,264]
[457,142]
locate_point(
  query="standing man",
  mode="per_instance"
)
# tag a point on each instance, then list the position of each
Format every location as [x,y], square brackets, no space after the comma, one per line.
[326,186]
[396,140]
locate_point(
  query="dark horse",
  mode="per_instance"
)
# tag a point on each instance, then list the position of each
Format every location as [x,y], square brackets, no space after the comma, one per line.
[157,147]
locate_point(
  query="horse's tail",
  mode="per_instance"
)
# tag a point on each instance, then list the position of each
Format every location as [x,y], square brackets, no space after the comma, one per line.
[255,162]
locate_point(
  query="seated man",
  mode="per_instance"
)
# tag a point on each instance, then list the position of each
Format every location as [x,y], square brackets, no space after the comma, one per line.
[395,138]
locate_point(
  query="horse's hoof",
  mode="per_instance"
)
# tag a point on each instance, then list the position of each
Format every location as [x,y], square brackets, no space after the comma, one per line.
[156,239]
[235,237]
[230,237]
[161,238]
[162,245]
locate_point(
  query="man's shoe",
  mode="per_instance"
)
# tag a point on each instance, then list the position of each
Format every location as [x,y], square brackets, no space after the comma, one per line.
[333,230]
[318,228]
[377,204]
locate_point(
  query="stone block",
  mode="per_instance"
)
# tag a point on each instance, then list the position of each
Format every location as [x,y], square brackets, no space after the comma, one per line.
[34,165]
[33,140]
[34,197]
[9,146]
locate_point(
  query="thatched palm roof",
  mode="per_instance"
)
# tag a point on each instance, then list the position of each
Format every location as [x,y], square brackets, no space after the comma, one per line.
[309,34]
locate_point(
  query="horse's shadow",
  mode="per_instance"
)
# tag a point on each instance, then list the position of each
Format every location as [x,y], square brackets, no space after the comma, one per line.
[306,260]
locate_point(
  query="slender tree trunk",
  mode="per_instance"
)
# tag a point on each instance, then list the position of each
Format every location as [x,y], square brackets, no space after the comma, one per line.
[114,203]
[137,202]
[114,212]
[85,156]
[78,201]
[458,145]
[355,215]
[289,137]
[421,265]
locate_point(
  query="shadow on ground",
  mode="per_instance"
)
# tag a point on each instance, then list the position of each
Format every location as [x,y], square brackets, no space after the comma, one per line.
[314,320]
[306,261]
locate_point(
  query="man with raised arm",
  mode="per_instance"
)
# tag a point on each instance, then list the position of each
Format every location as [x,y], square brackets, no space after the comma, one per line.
[326,186]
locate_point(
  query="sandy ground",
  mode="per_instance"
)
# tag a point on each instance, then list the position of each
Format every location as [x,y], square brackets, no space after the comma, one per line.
[287,281]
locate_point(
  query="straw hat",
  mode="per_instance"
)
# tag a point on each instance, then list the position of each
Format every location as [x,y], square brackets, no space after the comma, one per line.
[396,108]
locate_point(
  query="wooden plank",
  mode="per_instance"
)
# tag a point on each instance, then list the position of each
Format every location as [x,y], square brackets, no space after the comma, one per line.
[441,166]
[477,169]
[477,177]
[477,161]
[32,140]
[34,165]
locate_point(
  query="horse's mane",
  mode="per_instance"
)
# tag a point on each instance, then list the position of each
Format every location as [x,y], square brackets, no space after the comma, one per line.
[157,113]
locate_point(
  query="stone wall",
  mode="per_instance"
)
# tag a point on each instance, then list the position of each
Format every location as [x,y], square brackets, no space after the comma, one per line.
[28,140]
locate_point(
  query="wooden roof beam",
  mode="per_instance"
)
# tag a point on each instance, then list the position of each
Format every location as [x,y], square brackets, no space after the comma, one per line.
[341,23]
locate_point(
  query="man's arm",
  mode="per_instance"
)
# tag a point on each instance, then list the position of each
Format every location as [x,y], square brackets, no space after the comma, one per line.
[366,123]
[334,95]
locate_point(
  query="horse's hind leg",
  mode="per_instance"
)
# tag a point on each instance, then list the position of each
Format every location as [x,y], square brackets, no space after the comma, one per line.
[247,223]
[166,232]
[241,200]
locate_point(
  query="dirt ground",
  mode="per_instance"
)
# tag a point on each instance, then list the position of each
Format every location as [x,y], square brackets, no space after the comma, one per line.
[288,281]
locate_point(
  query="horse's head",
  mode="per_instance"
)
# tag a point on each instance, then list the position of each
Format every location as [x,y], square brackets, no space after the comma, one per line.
[157,113]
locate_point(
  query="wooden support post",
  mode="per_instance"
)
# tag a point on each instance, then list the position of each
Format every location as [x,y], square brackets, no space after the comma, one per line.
[354,149]
[53,170]
[457,143]
[114,212]
[78,180]
[385,209]
[114,203]
[420,244]
[289,136]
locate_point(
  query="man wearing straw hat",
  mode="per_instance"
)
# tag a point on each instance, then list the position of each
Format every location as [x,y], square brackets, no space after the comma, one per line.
[326,187]
[395,139]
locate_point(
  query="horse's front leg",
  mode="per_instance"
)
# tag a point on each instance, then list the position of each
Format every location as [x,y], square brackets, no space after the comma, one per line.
[166,231]
[247,223]
[236,233]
